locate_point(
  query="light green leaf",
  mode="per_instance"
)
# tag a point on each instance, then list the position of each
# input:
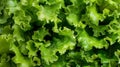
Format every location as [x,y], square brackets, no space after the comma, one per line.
[51,15]
[40,34]
[22,20]
[87,42]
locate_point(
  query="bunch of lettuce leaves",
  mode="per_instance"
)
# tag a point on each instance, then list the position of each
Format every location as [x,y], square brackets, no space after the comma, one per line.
[59,33]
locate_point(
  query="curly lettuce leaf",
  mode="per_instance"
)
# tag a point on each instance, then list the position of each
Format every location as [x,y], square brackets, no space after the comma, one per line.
[40,34]
[19,59]
[67,42]
[51,15]
[22,20]
[87,42]
[5,40]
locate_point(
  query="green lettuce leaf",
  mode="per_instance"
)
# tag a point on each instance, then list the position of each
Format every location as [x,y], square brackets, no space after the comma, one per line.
[87,42]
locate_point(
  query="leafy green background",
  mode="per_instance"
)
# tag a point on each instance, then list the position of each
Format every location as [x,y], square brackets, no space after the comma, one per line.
[59,33]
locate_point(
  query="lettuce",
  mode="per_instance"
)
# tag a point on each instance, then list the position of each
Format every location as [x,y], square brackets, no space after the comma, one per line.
[59,33]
